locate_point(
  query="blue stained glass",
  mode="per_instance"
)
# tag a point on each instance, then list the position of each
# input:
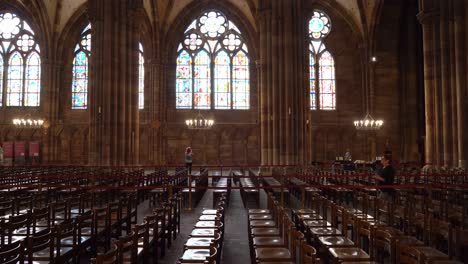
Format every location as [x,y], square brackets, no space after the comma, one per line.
[80,69]
[15,80]
[33,73]
[313,102]
[184,80]
[80,81]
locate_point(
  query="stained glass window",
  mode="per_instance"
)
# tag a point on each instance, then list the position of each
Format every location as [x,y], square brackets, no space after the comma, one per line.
[322,74]
[313,102]
[33,77]
[22,73]
[240,81]
[202,82]
[15,80]
[80,70]
[213,60]
[141,78]
[327,81]
[184,80]
[222,81]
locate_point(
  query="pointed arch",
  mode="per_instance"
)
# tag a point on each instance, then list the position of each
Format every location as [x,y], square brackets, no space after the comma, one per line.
[79,89]
[240,80]
[218,83]
[222,77]
[21,63]
[15,80]
[322,83]
[327,81]
[184,80]
[33,80]
[202,80]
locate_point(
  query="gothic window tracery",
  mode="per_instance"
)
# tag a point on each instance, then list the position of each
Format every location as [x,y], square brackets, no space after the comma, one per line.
[322,82]
[20,63]
[212,65]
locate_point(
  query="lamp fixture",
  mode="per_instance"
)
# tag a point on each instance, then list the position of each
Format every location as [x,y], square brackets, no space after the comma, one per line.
[199,122]
[368,123]
[28,122]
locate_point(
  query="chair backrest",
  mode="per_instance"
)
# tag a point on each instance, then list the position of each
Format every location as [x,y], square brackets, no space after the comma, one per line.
[65,230]
[110,257]
[127,245]
[40,241]
[408,255]
[383,244]
[141,232]
[12,253]
[309,254]
[213,257]
[40,215]
[296,243]
[85,225]
[59,211]
[101,219]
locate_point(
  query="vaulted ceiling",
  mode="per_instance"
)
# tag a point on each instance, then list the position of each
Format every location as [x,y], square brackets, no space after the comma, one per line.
[164,12]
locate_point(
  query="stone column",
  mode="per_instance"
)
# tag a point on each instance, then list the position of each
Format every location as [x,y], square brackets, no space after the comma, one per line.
[428,19]
[281,82]
[113,92]
[461,90]
[445,84]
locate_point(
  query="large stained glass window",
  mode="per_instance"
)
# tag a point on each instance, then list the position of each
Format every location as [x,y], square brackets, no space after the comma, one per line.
[212,65]
[141,78]
[321,64]
[79,91]
[20,62]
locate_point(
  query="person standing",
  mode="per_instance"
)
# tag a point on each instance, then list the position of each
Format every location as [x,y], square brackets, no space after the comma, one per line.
[347,155]
[188,159]
[386,176]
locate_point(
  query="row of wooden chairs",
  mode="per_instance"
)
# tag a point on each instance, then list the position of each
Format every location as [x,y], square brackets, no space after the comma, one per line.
[205,242]
[273,237]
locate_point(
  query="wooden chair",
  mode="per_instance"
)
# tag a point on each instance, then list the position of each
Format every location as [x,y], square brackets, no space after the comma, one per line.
[66,246]
[408,255]
[128,249]
[110,257]
[12,253]
[141,239]
[40,247]
[155,241]
[287,253]
[16,228]
[309,254]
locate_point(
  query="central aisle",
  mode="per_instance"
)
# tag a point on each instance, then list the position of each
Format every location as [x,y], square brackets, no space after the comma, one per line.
[236,246]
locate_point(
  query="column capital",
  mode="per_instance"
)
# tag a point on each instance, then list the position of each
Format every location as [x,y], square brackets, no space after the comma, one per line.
[428,17]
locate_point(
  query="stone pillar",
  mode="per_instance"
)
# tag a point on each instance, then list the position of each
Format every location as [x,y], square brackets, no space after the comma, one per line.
[461,91]
[428,19]
[453,85]
[281,82]
[113,92]
[445,84]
